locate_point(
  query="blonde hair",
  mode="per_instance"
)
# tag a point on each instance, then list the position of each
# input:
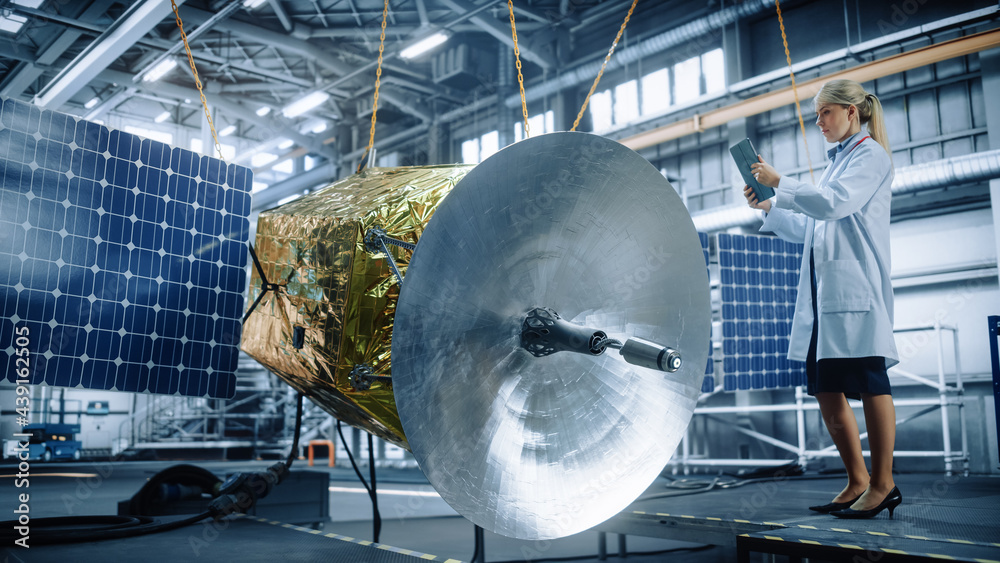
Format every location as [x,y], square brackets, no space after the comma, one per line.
[850,93]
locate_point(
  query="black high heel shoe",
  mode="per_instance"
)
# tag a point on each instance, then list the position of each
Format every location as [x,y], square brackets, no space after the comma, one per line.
[830,507]
[891,501]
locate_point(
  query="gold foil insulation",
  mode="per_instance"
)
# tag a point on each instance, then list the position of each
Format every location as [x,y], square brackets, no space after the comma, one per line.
[342,296]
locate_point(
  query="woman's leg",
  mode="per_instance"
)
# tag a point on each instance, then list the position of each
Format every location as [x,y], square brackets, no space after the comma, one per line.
[843,428]
[880,418]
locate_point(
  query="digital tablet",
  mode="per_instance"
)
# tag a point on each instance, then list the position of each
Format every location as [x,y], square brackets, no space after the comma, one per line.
[744,154]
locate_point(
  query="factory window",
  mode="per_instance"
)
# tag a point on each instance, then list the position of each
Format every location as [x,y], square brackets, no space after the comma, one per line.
[600,110]
[475,151]
[537,125]
[626,101]
[489,144]
[687,80]
[258,186]
[655,89]
[713,68]
[161,136]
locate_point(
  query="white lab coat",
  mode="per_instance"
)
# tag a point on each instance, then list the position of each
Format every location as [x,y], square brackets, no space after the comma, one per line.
[845,221]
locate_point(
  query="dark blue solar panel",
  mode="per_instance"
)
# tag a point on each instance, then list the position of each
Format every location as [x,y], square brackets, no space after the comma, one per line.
[125,258]
[759,276]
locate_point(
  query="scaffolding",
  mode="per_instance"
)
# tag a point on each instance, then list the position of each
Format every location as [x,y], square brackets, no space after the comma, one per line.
[950,395]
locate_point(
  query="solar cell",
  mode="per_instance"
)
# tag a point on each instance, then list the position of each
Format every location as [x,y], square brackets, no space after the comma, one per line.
[124,257]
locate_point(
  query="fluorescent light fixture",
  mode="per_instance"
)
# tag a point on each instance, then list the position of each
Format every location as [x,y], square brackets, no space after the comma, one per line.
[93,102]
[305,103]
[319,128]
[264,110]
[12,23]
[162,117]
[286,144]
[227,131]
[424,45]
[158,71]
[251,4]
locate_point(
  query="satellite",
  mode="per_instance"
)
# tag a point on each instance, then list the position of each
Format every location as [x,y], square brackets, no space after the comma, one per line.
[542,355]
[531,328]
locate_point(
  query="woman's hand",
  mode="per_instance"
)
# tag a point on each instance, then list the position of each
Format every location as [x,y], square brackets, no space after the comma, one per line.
[764,206]
[765,173]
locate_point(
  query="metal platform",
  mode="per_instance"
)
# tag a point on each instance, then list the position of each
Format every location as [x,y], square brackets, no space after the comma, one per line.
[246,538]
[953,516]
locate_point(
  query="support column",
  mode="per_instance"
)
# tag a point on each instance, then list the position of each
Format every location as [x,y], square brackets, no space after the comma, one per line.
[989,61]
[505,82]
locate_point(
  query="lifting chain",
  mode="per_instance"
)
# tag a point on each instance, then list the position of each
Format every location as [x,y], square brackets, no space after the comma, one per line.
[607,58]
[378,81]
[795,91]
[520,77]
[197,81]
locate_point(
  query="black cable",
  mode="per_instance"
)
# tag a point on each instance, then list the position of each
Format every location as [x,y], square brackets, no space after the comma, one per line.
[629,554]
[376,516]
[71,529]
[351,457]
[298,428]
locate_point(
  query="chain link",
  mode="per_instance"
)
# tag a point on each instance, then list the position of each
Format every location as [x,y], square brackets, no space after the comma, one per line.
[607,58]
[197,80]
[795,91]
[520,77]
[378,81]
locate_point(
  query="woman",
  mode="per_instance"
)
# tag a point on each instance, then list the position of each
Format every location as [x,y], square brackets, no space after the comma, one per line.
[842,327]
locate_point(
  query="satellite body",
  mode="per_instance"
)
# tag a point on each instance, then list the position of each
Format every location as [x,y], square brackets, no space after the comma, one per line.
[339,296]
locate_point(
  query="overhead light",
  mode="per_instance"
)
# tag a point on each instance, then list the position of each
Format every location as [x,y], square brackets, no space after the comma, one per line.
[286,144]
[158,71]
[319,128]
[93,102]
[12,23]
[162,117]
[227,131]
[264,110]
[251,4]
[424,45]
[305,103]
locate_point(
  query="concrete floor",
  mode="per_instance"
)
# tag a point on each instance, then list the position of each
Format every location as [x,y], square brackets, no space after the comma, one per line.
[413,515]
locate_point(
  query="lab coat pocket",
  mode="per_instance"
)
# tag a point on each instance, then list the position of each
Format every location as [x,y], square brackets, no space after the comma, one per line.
[843,287]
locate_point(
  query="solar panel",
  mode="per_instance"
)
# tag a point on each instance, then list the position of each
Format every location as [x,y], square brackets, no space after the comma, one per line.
[123,257]
[759,276]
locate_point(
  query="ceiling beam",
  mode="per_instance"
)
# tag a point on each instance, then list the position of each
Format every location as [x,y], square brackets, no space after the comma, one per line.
[261,35]
[230,107]
[136,22]
[25,75]
[502,33]
[279,11]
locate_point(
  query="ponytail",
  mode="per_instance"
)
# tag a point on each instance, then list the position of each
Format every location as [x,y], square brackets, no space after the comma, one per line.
[870,112]
[876,122]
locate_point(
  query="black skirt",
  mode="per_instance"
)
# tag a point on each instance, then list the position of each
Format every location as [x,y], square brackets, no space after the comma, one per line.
[850,376]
